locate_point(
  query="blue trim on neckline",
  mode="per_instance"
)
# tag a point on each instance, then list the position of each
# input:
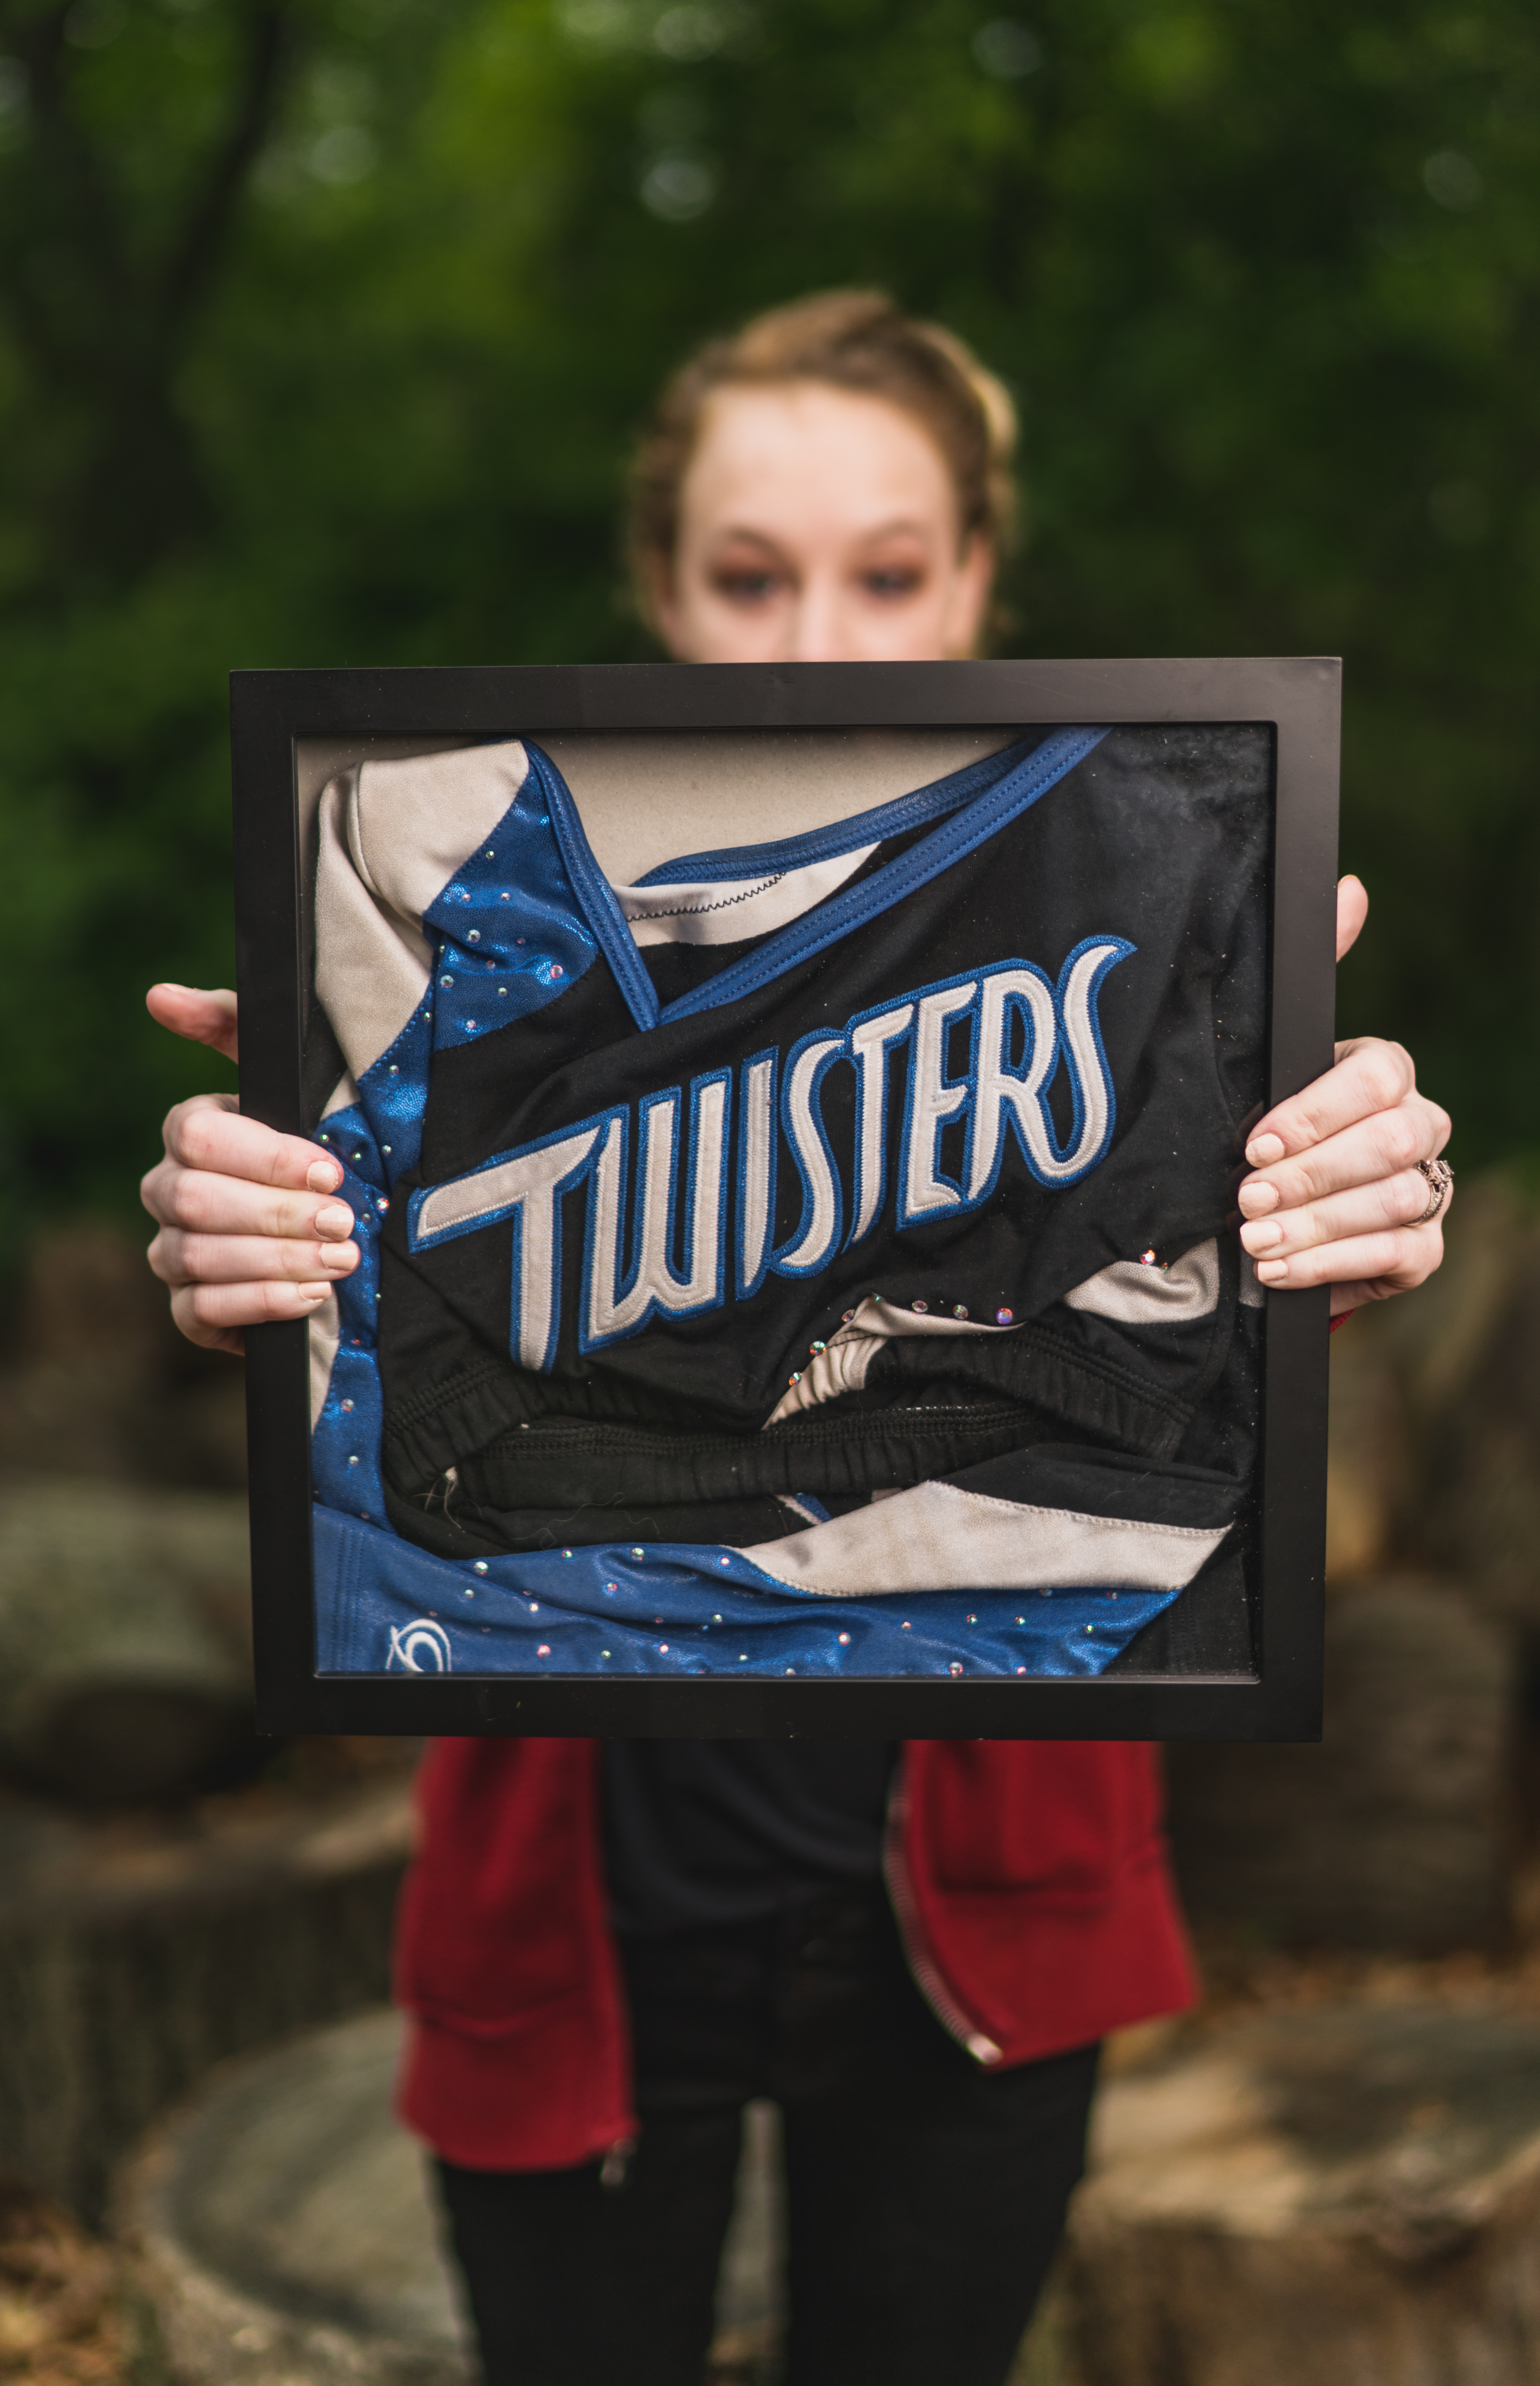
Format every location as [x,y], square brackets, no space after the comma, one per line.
[595,896]
[923,804]
[834,919]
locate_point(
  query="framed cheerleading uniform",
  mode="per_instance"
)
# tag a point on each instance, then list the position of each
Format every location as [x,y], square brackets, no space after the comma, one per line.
[793,1118]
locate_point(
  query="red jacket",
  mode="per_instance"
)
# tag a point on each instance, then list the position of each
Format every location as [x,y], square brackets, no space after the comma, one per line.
[1028,1878]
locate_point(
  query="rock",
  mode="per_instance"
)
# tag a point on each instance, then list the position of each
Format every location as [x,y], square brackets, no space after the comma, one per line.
[1393,1832]
[125,1666]
[1349,2196]
[137,1952]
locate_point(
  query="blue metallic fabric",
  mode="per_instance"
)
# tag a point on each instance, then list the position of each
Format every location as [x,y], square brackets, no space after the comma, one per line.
[384,1606]
[507,939]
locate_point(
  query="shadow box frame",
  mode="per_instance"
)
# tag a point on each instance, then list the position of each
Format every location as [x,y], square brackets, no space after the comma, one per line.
[274,710]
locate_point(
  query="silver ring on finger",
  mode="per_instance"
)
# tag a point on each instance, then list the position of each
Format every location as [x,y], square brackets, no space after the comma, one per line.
[1440,1180]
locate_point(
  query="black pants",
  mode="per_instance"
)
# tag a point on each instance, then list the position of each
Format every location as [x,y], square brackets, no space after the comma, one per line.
[925,2196]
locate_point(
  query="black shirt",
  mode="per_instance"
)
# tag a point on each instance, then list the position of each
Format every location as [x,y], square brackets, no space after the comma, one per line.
[703,1831]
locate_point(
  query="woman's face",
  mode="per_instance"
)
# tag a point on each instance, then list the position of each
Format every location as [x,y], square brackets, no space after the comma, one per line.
[818,525]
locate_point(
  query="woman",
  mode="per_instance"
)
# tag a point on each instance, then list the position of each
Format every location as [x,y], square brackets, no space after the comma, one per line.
[652,1933]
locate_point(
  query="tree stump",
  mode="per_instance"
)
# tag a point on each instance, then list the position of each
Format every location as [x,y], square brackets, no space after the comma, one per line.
[137,1952]
[1347,2197]
[1394,1831]
[284,2228]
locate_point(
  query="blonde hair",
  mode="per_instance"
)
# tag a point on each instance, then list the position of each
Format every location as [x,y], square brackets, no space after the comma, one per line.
[851,339]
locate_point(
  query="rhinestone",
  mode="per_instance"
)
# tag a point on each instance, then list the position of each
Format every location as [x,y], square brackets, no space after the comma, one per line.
[845,1639]
[347,1405]
[385,1147]
[1004,1316]
[794,1379]
[1146,1258]
[1020,1619]
[636,1554]
[743,1656]
[395,1069]
[544,1650]
[724,1561]
[1021,1669]
[953,1667]
[480,1565]
[716,1619]
[816,1349]
[353,1462]
[604,1652]
[849,1316]
[518,940]
[1090,1627]
[473,936]
[381,1205]
[470,1593]
[501,989]
[662,1648]
[960,1311]
[447,980]
[923,1307]
[557,970]
[489,857]
[610,1588]
[790,1669]
[503,898]
[535,1607]
[567,1553]
[973,1619]
[358,1155]
[903,1627]
[326,1138]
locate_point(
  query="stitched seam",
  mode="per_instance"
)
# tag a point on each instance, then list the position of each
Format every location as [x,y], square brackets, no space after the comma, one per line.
[697,911]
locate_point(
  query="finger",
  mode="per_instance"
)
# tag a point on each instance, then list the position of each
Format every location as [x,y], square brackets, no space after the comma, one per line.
[1352,911]
[179,1258]
[1378,1147]
[205,1203]
[1398,1201]
[206,1133]
[203,1017]
[1368,1075]
[1395,1260]
[213,1314]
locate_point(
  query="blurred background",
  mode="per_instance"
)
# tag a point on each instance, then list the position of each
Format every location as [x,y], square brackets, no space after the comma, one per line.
[324,327]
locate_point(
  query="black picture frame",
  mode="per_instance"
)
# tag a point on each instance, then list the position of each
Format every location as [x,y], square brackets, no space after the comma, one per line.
[273,711]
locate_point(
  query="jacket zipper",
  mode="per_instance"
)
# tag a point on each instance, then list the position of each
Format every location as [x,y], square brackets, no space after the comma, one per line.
[927,1980]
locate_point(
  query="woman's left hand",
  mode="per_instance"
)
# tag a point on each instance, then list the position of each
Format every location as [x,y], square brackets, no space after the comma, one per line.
[1336,1190]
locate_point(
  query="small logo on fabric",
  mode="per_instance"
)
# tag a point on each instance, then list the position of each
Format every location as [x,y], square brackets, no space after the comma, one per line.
[419,1648]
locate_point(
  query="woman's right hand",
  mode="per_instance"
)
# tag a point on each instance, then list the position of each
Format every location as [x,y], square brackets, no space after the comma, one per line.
[250,1229]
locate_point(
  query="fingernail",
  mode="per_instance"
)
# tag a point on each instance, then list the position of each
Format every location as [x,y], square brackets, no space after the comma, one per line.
[1262,1235]
[1263,1149]
[1258,1196]
[335,1221]
[344,1257]
[315,1292]
[1272,1271]
[323,1176]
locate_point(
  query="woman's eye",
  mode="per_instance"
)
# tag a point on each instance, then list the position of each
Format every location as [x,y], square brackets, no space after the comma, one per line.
[896,582]
[746,587]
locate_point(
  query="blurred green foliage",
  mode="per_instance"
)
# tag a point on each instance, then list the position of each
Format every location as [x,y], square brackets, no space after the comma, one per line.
[324,325]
